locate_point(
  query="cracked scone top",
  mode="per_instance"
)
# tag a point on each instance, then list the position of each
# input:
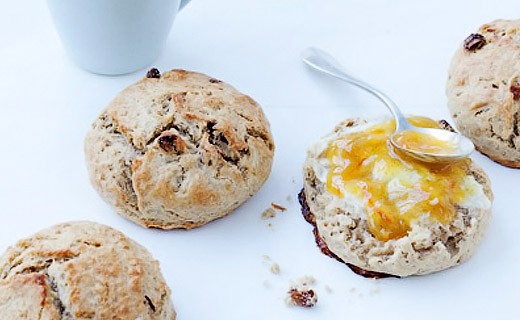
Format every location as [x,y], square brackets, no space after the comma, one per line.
[178,150]
[82,270]
[483,90]
[385,214]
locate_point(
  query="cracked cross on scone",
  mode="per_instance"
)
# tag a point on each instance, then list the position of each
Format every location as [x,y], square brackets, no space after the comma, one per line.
[179,149]
[483,90]
[82,270]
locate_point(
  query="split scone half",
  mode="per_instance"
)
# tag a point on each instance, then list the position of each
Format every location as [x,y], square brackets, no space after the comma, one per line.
[385,214]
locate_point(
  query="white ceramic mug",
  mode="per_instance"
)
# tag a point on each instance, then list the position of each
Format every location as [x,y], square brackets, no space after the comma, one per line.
[114,36]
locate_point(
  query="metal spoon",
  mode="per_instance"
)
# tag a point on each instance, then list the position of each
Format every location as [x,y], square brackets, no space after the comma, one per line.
[460,146]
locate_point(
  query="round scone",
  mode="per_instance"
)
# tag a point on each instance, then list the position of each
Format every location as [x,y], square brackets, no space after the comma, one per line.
[385,214]
[178,150]
[483,90]
[82,270]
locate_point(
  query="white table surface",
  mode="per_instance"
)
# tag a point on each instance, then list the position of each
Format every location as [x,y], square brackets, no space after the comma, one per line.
[220,271]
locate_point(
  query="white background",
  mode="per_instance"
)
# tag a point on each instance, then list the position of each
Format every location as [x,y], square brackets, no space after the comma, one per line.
[219,271]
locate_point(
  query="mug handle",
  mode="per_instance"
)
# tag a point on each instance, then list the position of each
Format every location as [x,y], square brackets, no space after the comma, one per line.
[183,3]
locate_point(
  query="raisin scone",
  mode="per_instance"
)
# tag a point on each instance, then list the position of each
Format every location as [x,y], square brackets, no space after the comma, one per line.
[483,90]
[82,270]
[178,150]
[386,214]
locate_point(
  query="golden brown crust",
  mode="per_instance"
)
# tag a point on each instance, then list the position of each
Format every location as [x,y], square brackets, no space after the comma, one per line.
[82,270]
[27,296]
[502,161]
[179,151]
[483,90]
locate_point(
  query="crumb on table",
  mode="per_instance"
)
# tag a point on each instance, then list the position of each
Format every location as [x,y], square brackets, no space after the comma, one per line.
[328,289]
[374,291]
[302,298]
[278,207]
[300,294]
[268,214]
[275,268]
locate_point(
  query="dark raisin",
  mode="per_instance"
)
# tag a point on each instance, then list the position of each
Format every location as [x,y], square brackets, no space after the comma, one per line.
[443,124]
[303,298]
[494,86]
[171,143]
[515,90]
[153,73]
[213,80]
[474,42]
[150,304]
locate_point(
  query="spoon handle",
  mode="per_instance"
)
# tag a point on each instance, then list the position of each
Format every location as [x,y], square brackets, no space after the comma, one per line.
[324,62]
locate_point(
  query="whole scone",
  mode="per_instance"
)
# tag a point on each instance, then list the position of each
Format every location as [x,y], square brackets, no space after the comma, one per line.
[361,220]
[82,270]
[179,149]
[483,90]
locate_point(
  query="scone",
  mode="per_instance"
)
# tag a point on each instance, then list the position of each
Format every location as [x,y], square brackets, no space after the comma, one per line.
[386,214]
[82,270]
[483,90]
[179,149]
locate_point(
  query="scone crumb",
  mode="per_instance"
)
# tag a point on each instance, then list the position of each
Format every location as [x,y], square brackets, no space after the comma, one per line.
[278,207]
[300,294]
[307,280]
[328,289]
[275,268]
[268,214]
[302,298]
[374,291]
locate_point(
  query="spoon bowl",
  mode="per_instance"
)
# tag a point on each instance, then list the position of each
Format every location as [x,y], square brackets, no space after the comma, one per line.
[451,146]
[438,145]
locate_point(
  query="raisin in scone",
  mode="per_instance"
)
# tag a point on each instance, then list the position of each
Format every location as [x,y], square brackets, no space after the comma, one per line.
[386,214]
[82,270]
[179,149]
[483,90]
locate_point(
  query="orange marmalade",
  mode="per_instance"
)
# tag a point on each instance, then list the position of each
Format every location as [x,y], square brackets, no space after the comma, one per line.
[418,141]
[395,190]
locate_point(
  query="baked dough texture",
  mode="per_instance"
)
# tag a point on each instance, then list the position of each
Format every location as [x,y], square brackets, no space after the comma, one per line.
[342,226]
[82,270]
[483,90]
[178,150]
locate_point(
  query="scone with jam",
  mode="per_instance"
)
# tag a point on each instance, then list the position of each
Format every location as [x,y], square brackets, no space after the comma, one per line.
[385,214]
